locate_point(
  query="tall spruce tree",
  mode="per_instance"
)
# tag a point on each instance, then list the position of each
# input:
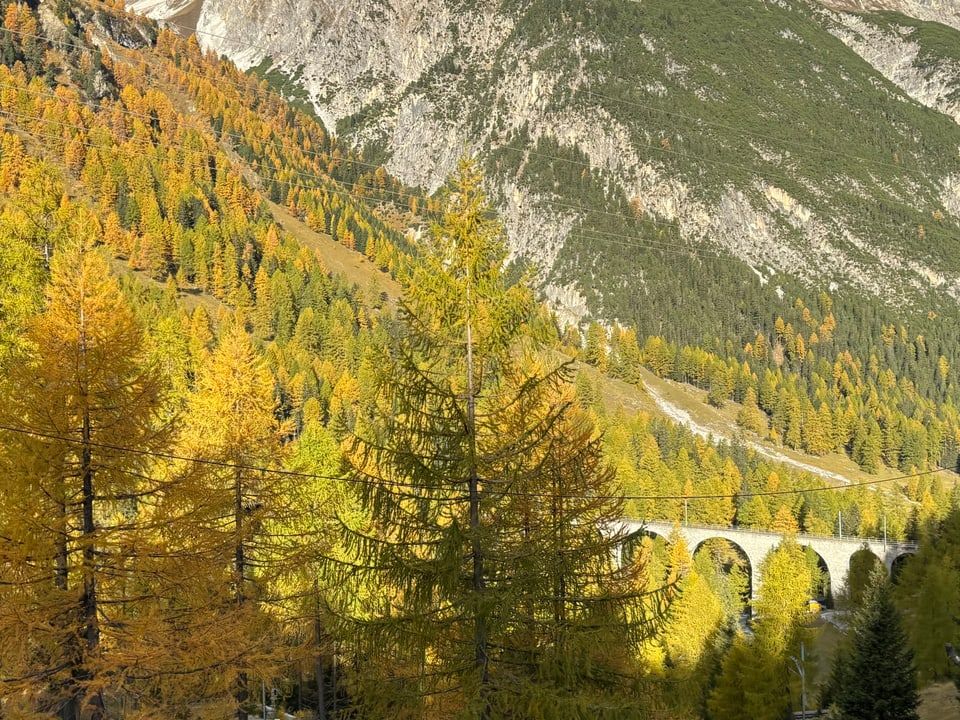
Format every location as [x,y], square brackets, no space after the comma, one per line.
[876,679]
[492,519]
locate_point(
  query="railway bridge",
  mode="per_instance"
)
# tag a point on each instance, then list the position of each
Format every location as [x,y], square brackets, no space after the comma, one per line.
[835,552]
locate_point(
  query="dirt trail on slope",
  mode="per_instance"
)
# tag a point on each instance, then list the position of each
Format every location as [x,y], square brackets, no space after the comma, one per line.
[687,405]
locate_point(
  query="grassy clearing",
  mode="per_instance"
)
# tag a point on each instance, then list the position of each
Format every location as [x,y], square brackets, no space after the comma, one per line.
[939,702]
[338,259]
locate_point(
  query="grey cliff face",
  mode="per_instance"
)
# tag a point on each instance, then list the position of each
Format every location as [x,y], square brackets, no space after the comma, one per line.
[895,55]
[348,54]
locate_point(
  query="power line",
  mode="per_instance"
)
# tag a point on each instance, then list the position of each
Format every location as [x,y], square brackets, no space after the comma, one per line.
[169,455]
[368,480]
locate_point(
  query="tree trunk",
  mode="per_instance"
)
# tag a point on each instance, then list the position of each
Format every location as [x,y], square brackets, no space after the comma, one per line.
[91,623]
[68,710]
[240,694]
[481,659]
[321,695]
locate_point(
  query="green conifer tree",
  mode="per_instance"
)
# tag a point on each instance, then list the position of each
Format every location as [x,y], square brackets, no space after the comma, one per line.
[751,683]
[491,520]
[876,679]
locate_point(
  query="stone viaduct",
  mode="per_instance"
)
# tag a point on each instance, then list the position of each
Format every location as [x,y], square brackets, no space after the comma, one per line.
[835,552]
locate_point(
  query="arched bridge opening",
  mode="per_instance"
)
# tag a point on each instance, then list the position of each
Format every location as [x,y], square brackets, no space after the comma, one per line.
[728,562]
[822,590]
[897,563]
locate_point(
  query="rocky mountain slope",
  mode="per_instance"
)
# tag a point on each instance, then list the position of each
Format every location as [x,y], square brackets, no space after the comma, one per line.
[941,11]
[712,157]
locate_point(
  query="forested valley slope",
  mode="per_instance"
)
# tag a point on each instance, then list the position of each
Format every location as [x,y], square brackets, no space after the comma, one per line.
[274,418]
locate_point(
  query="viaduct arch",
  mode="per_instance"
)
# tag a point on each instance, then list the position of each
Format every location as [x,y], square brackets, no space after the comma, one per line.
[755,544]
